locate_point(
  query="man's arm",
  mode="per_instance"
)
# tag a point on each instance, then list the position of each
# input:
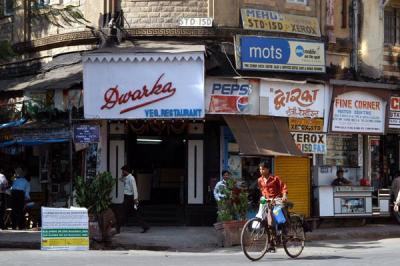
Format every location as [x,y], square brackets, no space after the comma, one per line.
[134,187]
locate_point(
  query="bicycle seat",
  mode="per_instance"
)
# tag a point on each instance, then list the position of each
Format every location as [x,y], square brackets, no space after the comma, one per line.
[289,204]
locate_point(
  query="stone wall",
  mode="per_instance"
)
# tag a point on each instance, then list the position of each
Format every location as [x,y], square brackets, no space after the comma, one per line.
[162,13]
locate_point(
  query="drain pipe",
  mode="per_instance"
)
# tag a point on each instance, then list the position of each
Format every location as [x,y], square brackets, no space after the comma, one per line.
[354,61]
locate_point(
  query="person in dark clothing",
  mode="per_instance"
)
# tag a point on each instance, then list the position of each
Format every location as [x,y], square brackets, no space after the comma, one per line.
[131,199]
[19,193]
[340,180]
[3,188]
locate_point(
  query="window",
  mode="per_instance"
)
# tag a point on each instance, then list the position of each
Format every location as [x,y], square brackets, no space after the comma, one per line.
[8,7]
[302,2]
[392,26]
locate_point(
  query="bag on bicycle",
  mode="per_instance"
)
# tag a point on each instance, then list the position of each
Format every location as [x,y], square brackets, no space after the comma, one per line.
[278,215]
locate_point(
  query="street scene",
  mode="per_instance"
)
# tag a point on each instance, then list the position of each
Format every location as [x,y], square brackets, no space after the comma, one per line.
[199,131]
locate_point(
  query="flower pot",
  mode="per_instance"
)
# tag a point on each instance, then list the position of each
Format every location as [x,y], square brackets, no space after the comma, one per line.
[228,232]
[94,228]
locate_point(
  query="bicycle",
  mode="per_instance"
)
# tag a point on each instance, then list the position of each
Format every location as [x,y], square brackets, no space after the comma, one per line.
[257,235]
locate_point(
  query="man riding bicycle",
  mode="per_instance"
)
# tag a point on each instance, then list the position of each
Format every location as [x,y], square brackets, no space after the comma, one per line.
[271,187]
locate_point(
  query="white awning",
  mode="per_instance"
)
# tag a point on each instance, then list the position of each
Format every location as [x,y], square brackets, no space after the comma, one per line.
[148,51]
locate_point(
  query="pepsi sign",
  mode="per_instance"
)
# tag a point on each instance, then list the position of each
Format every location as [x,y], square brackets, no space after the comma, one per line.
[279,54]
[231,89]
[230,96]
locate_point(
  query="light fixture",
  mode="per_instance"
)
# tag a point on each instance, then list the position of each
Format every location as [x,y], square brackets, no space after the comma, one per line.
[148,140]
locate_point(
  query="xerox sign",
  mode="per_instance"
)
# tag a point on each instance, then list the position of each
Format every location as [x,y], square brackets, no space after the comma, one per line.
[278,54]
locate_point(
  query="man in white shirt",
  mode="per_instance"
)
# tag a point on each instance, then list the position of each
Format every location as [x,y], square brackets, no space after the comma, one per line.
[131,198]
[219,187]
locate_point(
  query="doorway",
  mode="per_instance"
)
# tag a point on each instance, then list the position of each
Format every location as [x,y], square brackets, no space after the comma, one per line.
[158,159]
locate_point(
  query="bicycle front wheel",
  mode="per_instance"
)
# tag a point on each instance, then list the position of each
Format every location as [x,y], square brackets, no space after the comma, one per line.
[293,237]
[254,239]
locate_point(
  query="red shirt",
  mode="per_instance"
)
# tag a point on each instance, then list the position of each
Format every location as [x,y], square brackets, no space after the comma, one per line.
[273,187]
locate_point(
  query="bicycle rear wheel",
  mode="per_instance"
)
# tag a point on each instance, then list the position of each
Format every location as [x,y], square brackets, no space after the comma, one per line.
[254,239]
[293,237]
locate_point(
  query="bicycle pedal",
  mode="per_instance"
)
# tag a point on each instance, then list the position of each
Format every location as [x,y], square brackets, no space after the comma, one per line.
[271,250]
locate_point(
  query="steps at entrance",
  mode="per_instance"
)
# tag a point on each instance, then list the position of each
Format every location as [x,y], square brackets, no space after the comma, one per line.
[160,215]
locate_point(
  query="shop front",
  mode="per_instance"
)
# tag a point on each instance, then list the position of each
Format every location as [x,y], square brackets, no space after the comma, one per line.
[152,102]
[254,128]
[360,144]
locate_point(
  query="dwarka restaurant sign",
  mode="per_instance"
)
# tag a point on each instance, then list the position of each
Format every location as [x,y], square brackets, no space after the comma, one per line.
[144,86]
[266,20]
[358,112]
[294,100]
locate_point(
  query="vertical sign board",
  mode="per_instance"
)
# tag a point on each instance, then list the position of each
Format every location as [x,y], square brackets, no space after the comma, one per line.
[358,112]
[279,54]
[394,115]
[65,229]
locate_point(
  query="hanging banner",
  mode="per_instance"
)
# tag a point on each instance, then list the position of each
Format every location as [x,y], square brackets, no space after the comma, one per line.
[394,114]
[65,229]
[294,100]
[279,54]
[144,86]
[231,96]
[310,142]
[266,20]
[306,124]
[358,112]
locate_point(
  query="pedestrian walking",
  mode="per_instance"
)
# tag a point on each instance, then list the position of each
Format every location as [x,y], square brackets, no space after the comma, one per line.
[131,199]
[20,190]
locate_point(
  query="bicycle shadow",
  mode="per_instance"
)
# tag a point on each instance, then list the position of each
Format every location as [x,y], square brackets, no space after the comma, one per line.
[317,257]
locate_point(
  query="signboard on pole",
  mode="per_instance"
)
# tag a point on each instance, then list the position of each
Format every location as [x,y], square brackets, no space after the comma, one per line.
[310,142]
[267,20]
[279,54]
[65,229]
[358,112]
[86,133]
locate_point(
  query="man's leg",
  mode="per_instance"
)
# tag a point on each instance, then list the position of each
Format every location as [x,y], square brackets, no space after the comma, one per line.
[140,221]
[2,209]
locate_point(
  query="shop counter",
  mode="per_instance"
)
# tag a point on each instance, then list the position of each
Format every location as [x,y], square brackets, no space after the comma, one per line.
[342,201]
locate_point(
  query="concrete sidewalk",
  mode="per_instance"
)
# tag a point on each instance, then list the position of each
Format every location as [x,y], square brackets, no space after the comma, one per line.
[182,238]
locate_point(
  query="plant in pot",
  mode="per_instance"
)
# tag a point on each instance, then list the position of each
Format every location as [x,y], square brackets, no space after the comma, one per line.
[95,195]
[231,214]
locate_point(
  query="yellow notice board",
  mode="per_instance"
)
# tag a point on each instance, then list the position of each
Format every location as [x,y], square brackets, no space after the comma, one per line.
[267,20]
[306,124]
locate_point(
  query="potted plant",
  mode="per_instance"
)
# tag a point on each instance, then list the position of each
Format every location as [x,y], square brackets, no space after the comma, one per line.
[95,195]
[231,214]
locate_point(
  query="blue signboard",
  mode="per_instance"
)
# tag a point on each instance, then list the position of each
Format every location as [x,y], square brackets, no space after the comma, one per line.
[86,133]
[279,54]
